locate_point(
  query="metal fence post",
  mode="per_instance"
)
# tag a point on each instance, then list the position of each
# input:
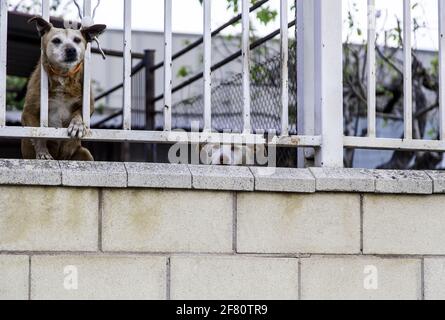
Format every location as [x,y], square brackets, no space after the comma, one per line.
[3,60]
[329,82]
[305,77]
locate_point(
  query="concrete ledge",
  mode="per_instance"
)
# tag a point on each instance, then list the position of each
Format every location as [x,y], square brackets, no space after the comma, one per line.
[93,174]
[403,182]
[167,176]
[438,178]
[284,180]
[344,180]
[31,173]
[222,178]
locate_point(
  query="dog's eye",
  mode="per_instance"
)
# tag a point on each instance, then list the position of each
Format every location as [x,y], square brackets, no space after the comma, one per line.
[77,40]
[57,41]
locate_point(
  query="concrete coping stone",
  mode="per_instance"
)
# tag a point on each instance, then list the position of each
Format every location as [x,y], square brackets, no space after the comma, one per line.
[93,174]
[221,178]
[30,172]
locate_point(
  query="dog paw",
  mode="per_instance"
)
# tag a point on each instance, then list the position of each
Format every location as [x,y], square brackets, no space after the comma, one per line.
[77,129]
[44,155]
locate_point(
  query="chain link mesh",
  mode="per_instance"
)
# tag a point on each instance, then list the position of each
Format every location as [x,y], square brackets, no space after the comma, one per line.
[227,102]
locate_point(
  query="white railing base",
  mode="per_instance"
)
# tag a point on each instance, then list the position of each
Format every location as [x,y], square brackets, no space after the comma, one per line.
[160,137]
[394,144]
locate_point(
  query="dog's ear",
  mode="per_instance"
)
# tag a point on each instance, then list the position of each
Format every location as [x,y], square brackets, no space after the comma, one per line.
[92,32]
[42,25]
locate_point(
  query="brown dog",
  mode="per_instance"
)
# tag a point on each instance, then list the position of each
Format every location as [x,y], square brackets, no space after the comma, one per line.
[63,56]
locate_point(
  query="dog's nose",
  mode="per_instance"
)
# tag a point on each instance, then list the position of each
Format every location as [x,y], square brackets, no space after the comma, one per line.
[71,53]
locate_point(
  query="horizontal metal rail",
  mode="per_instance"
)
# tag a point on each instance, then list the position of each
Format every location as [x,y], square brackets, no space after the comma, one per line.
[118,54]
[394,144]
[163,137]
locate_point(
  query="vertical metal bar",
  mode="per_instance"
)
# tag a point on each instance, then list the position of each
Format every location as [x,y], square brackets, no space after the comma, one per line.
[284,68]
[44,86]
[305,76]
[246,65]
[127,65]
[407,70]
[442,69]
[3,61]
[207,65]
[329,81]
[371,65]
[150,111]
[86,105]
[149,60]
[167,65]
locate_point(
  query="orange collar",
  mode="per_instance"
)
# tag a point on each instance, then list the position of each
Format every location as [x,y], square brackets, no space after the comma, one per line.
[69,74]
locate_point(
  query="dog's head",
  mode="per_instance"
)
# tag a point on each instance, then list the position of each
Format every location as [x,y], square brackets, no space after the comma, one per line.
[65,48]
[235,155]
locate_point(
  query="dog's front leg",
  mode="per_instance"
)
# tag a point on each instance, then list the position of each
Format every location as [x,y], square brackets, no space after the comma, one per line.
[77,128]
[41,148]
[30,118]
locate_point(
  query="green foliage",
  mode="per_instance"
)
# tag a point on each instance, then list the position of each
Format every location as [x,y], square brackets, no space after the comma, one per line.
[14,85]
[264,15]
[183,72]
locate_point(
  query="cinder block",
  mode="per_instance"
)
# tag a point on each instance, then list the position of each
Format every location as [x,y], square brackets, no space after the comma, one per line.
[98,278]
[283,180]
[435,279]
[344,180]
[30,173]
[281,223]
[94,174]
[360,278]
[48,219]
[167,221]
[403,182]
[227,278]
[404,224]
[222,178]
[151,175]
[14,273]
[438,178]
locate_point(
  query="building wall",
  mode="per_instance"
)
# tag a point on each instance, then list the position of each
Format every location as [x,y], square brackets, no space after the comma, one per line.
[133,231]
[108,73]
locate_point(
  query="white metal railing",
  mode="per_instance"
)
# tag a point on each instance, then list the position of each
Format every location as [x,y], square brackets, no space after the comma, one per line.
[407,143]
[319,72]
[86,113]
[44,111]
[167,136]
[441,70]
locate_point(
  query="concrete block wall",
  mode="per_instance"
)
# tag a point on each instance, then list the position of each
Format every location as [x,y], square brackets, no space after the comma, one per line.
[135,231]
